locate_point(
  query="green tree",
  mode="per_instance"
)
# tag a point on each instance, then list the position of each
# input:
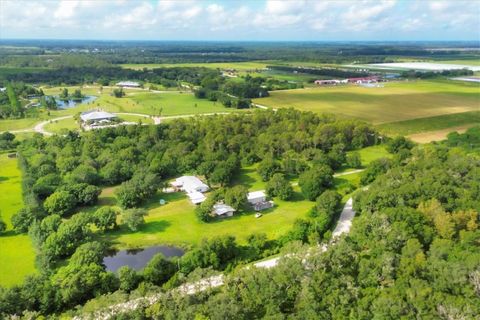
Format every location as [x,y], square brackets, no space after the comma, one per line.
[316,180]
[3,225]
[60,202]
[105,218]
[128,278]
[236,197]
[268,167]
[278,186]
[133,218]
[354,160]
[158,270]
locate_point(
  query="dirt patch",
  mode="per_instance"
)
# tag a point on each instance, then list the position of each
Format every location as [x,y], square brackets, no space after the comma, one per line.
[438,135]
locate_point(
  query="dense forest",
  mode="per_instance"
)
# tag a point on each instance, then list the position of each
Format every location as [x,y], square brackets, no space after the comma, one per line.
[63,174]
[103,52]
[413,253]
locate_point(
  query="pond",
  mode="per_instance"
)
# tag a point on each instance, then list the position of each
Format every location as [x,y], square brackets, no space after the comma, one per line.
[138,258]
[66,104]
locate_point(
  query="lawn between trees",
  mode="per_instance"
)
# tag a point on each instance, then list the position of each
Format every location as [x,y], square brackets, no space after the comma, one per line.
[16,250]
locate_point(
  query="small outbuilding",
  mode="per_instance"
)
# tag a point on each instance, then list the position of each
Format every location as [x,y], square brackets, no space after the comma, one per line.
[222,210]
[256,197]
[196,197]
[258,200]
[128,84]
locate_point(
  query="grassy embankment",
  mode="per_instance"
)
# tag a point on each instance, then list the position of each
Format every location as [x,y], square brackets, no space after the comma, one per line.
[16,252]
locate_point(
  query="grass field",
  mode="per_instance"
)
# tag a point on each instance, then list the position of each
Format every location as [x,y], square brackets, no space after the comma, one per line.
[442,122]
[16,251]
[395,102]
[176,223]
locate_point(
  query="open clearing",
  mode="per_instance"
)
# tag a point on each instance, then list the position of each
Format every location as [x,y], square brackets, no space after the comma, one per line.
[396,101]
[16,250]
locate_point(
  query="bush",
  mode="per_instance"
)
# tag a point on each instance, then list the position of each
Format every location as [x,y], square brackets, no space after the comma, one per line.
[158,270]
[60,202]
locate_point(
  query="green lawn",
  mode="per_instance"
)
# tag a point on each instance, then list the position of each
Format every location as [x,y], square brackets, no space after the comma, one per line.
[431,124]
[58,125]
[176,223]
[16,251]
[369,154]
[396,101]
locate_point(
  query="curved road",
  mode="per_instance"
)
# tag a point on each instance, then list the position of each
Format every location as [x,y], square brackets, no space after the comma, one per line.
[39,127]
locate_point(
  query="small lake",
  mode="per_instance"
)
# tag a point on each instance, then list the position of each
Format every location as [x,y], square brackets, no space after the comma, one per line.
[66,104]
[138,258]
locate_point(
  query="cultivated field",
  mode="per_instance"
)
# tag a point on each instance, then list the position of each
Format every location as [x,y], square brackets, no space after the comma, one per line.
[396,101]
[16,250]
[443,122]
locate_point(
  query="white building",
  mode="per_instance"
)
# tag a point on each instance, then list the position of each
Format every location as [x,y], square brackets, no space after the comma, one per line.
[196,197]
[3,89]
[129,84]
[190,184]
[222,210]
[96,116]
[256,197]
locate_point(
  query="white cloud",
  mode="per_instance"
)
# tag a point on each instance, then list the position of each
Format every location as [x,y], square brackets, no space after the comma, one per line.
[188,19]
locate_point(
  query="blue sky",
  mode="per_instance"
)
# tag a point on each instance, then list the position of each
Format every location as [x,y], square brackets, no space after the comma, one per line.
[241,20]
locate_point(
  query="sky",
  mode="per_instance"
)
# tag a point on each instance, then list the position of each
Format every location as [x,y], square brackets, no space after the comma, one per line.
[272,20]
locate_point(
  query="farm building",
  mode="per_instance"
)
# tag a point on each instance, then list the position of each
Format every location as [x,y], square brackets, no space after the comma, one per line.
[222,210]
[363,80]
[196,197]
[258,200]
[128,84]
[330,82]
[97,116]
[190,184]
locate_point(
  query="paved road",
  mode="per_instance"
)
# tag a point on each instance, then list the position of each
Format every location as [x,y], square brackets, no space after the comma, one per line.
[343,226]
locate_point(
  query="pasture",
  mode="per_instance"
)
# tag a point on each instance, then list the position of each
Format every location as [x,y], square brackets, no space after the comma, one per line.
[15,249]
[396,101]
[443,122]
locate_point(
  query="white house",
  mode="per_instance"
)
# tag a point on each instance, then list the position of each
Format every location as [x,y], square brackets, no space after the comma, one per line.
[96,116]
[196,197]
[190,184]
[223,210]
[256,197]
[3,89]
[129,84]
